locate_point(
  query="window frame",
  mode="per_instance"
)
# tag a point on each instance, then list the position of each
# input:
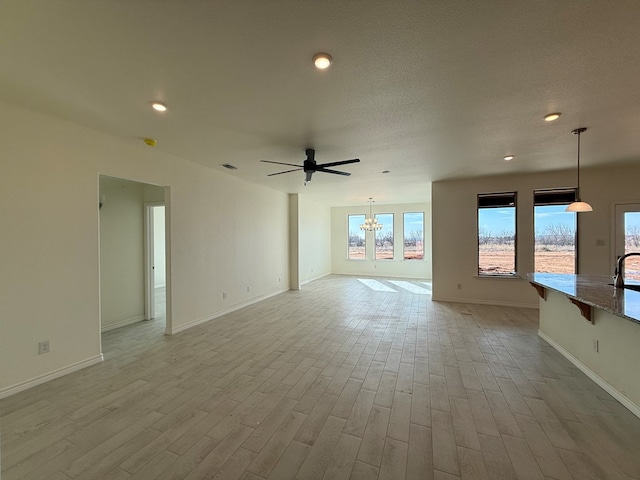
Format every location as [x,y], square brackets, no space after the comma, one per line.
[393,238]
[555,196]
[508,199]
[404,236]
[364,236]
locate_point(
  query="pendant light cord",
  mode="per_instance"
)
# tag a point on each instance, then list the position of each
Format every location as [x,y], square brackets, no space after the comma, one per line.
[579,163]
[578,131]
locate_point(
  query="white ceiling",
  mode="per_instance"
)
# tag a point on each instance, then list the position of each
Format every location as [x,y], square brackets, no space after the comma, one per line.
[429,90]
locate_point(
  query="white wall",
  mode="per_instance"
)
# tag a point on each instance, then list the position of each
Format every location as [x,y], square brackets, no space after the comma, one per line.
[455,230]
[314,230]
[226,235]
[121,252]
[398,267]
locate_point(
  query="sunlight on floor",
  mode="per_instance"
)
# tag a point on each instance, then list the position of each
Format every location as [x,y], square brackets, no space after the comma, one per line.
[411,287]
[379,286]
[376,285]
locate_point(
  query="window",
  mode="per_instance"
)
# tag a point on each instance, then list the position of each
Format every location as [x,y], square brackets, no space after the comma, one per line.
[555,231]
[413,228]
[357,242]
[496,234]
[384,237]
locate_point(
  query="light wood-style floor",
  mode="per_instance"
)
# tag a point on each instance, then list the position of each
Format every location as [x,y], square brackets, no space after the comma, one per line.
[336,381]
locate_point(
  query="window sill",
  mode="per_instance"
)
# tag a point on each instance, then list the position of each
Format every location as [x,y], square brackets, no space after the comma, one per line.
[506,276]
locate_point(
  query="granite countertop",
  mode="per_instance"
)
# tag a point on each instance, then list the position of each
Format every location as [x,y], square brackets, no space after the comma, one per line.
[592,290]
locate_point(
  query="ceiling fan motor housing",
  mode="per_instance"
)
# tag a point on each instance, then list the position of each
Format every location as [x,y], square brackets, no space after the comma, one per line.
[310,162]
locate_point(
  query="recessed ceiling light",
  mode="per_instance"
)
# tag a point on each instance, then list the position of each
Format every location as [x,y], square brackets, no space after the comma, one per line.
[152,142]
[552,116]
[229,166]
[322,61]
[385,171]
[159,107]
[508,158]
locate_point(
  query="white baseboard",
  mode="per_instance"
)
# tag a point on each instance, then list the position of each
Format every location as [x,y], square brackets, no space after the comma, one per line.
[484,302]
[619,396]
[122,323]
[238,306]
[315,278]
[19,387]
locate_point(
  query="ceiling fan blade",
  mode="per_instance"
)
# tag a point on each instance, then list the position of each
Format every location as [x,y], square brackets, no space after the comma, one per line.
[326,170]
[342,162]
[281,163]
[286,171]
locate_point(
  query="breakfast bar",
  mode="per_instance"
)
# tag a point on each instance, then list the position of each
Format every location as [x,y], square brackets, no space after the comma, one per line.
[596,326]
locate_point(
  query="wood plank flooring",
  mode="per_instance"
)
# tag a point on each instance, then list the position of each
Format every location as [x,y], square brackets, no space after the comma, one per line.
[336,381]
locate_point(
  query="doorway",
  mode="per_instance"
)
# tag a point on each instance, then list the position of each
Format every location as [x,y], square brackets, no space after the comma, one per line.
[133,241]
[155,261]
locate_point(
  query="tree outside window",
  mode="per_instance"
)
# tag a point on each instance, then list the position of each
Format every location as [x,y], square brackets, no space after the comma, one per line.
[384,237]
[497,234]
[357,240]
[413,228]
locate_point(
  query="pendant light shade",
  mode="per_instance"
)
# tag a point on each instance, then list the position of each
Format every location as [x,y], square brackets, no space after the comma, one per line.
[578,205]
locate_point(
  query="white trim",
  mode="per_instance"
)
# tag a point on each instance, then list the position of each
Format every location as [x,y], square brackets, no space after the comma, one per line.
[19,387]
[238,306]
[619,396]
[315,278]
[485,302]
[123,323]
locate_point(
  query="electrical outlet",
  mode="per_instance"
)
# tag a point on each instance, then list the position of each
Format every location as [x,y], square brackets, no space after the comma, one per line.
[279,279]
[224,295]
[44,347]
[459,286]
[596,345]
[248,289]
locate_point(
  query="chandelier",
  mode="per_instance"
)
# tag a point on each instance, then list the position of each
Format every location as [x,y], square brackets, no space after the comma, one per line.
[371,224]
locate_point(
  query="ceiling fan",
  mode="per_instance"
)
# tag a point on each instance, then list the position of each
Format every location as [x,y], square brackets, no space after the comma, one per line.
[309,166]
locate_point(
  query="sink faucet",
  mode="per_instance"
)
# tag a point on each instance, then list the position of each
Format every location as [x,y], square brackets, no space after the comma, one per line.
[618,279]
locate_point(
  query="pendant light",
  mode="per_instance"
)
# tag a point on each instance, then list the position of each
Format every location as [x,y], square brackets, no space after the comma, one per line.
[578,205]
[370,224]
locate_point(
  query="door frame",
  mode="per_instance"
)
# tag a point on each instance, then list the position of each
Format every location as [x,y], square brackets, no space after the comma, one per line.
[618,210]
[149,274]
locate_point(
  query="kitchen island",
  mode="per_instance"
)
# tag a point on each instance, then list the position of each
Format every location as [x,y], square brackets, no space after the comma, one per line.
[596,327]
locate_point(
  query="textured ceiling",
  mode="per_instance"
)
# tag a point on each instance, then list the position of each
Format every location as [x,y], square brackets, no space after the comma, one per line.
[428,90]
